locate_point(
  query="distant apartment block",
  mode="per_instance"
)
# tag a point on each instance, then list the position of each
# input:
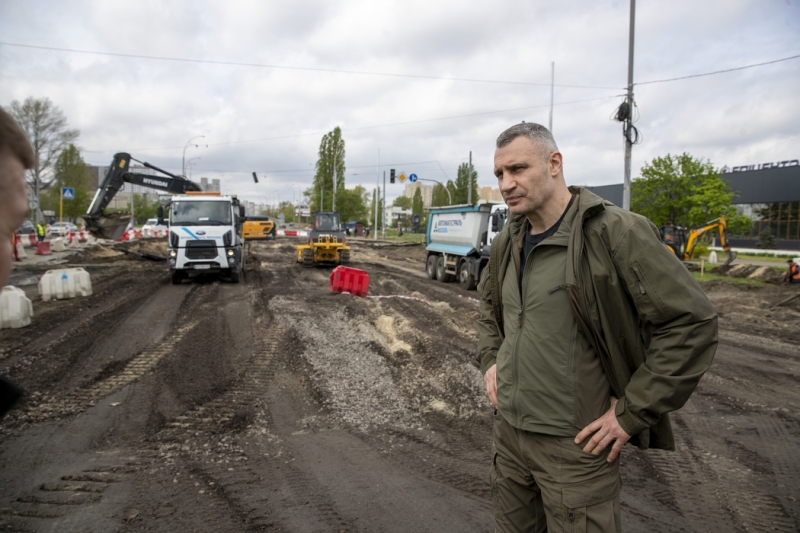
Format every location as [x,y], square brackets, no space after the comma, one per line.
[427,193]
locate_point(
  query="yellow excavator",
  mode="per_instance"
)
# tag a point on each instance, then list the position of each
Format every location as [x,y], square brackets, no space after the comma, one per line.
[326,242]
[682,241]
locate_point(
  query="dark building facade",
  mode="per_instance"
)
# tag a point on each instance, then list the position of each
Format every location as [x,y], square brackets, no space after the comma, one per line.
[769,193]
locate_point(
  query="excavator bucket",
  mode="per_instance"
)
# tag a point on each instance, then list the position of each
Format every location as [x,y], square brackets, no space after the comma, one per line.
[731,257]
[107,226]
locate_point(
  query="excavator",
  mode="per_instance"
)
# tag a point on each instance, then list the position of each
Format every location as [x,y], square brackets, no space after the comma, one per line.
[326,242]
[112,225]
[682,241]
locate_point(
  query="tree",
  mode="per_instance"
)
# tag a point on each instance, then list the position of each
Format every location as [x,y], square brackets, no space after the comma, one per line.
[46,128]
[403,202]
[329,164]
[440,197]
[350,204]
[417,205]
[69,171]
[377,201]
[684,191]
[461,188]
[766,240]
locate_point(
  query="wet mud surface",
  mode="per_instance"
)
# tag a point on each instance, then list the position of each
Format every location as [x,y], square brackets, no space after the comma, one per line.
[277,405]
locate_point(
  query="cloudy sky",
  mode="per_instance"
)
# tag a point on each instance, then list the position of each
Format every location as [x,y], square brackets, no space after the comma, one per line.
[421,82]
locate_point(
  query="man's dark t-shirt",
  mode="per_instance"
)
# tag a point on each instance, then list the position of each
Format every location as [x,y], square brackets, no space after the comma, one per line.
[532,240]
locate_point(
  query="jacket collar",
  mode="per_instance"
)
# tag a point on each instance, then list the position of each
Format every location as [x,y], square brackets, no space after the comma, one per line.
[589,204]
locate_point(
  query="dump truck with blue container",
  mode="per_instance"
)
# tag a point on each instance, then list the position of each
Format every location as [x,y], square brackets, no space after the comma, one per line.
[459,239]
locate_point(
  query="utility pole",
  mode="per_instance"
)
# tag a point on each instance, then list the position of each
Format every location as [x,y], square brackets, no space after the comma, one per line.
[383,211]
[552,91]
[377,189]
[333,206]
[627,124]
[469,179]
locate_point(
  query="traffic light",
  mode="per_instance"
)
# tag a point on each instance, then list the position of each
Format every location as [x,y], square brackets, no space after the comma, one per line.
[391,176]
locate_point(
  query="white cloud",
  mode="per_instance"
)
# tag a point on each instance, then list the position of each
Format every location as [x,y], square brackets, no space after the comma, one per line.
[152,107]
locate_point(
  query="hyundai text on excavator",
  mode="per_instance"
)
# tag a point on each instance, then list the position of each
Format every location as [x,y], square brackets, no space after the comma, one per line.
[326,242]
[682,241]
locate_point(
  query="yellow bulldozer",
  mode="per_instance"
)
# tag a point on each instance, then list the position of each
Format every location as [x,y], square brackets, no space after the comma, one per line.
[682,241]
[326,242]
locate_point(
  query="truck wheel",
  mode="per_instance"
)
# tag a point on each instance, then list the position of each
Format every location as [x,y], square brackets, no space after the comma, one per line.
[430,266]
[441,270]
[177,277]
[465,277]
[234,275]
[308,257]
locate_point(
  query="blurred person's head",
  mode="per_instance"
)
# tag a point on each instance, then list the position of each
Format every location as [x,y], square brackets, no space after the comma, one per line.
[16,155]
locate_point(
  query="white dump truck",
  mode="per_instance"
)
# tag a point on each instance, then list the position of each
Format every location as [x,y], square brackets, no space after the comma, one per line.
[205,235]
[459,239]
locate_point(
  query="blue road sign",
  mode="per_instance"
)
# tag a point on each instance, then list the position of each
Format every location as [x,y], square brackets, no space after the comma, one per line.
[67,193]
[412,178]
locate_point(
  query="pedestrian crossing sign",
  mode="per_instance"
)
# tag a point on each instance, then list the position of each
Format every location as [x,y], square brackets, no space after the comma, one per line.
[67,193]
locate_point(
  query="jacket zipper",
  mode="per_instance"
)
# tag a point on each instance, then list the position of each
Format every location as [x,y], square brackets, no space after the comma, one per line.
[520,322]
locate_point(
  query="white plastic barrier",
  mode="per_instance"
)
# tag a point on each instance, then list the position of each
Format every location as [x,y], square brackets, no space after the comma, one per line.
[16,309]
[712,258]
[57,245]
[21,251]
[65,283]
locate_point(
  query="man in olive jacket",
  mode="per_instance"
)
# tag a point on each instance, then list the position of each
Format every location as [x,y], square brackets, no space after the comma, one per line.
[589,329]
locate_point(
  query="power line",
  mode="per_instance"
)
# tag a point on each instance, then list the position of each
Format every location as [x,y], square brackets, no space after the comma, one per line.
[359,128]
[719,71]
[286,67]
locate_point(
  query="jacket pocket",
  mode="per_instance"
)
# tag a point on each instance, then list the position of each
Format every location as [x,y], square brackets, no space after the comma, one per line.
[643,293]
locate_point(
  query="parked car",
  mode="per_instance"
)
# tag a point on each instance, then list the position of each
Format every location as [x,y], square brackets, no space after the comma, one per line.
[152,225]
[26,228]
[60,229]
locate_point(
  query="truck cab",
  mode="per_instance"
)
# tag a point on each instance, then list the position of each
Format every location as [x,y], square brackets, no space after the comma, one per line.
[205,235]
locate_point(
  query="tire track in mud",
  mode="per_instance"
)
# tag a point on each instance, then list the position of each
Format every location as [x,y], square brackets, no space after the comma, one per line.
[137,367]
[737,500]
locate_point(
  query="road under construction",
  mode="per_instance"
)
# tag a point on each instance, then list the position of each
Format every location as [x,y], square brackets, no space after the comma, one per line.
[277,405]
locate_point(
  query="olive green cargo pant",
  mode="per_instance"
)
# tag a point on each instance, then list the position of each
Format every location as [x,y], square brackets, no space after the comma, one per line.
[542,483]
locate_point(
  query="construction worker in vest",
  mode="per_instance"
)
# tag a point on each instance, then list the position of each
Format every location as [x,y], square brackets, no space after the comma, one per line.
[793,274]
[40,231]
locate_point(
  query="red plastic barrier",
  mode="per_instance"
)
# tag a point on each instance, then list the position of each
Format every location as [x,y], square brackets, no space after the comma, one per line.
[137,234]
[43,248]
[290,233]
[82,236]
[352,280]
[33,240]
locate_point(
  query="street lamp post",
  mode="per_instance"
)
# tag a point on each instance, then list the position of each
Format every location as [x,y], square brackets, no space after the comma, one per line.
[183,159]
[189,165]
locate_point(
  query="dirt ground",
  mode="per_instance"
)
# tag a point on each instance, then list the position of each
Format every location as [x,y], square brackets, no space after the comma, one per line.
[277,405]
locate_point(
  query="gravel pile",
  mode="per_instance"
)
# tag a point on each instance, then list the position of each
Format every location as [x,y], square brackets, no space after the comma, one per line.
[353,375]
[381,369]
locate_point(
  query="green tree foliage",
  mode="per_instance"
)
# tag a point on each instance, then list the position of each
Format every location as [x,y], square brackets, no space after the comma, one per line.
[329,164]
[350,204]
[46,128]
[403,202]
[377,201]
[440,196]
[417,204]
[766,240]
[684,191]
[461,187]
[145,207]
[69,171]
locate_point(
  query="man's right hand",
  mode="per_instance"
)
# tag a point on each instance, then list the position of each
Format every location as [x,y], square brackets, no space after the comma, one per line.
[490,380]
